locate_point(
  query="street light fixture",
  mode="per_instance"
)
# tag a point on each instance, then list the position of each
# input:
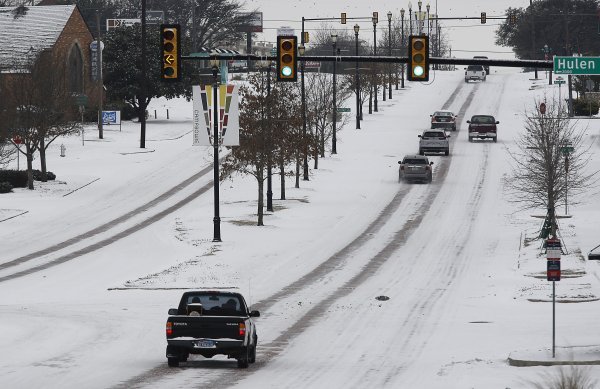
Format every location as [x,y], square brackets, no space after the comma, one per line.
[402,47]
[216,220]
[375,73]
[389,15]
[334,110]
[357,79]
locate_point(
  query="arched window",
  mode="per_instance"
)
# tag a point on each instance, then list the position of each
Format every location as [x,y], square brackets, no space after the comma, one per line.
[75,70]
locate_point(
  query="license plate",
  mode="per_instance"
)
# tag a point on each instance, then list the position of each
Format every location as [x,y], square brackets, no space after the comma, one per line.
[205,344]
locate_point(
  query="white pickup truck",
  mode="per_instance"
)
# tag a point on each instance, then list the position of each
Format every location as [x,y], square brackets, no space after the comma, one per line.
[475,73]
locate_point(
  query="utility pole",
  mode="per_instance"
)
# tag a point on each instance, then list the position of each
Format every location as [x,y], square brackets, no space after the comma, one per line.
[99,75]
[142,98]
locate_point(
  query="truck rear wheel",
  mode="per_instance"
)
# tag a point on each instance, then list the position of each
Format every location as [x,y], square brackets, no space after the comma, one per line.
[173,362]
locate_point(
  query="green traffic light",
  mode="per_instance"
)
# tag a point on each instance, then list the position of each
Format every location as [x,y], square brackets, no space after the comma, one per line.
[286,71]
[418,71]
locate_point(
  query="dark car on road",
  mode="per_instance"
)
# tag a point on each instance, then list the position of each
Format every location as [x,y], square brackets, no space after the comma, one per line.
[210,323]
[443,119]
[483,127]
[415,168]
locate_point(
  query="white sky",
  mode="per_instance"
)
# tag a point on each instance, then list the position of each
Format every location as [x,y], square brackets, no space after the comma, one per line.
[468,37]
[452,256]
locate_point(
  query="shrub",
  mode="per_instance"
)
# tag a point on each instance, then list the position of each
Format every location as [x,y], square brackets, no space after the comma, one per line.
[37,175]
[5,187]
[584,107]
[16,178]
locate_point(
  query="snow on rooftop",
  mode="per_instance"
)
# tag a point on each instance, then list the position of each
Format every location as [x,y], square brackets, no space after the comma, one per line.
[24,30]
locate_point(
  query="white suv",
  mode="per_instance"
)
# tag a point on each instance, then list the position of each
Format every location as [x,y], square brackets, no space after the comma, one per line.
[434,141]
[475,73]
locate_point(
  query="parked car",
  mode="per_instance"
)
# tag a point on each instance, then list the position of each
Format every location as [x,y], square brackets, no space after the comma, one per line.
[434,141]
[486,67]
[443,119]
[483,127]
[475,73]
[210,323]
[415,168]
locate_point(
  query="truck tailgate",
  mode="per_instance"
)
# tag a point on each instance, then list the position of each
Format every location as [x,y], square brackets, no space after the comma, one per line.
[214,327]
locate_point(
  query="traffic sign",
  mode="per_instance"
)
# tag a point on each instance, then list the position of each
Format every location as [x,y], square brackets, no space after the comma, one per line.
[559,80]
[567,149]
[576,65]
[553,249]
[553,270]
[343,109]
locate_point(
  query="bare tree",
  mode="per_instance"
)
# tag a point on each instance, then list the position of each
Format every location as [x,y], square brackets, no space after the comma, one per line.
[267,132]
[550,162]
[39,106]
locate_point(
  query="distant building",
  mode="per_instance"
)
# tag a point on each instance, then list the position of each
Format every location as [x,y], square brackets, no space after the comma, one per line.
[56,29]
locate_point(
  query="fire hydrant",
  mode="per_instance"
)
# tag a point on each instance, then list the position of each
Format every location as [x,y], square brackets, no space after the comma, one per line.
[62,150]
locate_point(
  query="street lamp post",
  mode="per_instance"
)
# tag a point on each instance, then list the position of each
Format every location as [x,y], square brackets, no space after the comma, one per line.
[402,47]
[419,19]
[375,73]
[334,110]
[428,28]
[216,219]
[389,15]
[410,16]
[269,142]
[301,49]
[357,79]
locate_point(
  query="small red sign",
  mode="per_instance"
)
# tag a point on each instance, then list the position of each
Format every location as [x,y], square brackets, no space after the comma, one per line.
[17,140]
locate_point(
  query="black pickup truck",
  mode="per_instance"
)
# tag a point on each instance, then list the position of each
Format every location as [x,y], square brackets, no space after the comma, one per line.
[210,323]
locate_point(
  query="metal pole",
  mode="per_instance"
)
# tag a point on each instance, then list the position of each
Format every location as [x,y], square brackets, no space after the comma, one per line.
[99,75]
[410,20]
[269,141]
[305,167]
[357,81]
[553,319]
[375,70]
[533,51]
[216,219]
[334,110]
[566,180]
[402,47]
[142,99]
[390,54]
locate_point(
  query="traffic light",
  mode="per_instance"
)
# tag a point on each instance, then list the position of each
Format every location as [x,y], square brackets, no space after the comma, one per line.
[171,51]
[483,17]
[418,58]
[287,58]
[343,18]
[512,19]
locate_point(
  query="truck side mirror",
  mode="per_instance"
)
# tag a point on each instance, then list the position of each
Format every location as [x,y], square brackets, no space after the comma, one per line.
[497,122]
[468,121]
[419,136]
[173,311]
[254,314]
[399,162]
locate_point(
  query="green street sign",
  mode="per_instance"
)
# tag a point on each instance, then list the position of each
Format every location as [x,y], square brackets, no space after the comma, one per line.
[81,100]
[576,65]
[343,109]
[567,149]
[274,51]
[559,82]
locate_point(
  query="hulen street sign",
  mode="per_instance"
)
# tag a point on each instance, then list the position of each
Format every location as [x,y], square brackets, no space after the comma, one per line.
[576,65]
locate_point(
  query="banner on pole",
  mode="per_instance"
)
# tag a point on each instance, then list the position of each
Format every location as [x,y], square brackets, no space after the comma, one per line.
[228,109]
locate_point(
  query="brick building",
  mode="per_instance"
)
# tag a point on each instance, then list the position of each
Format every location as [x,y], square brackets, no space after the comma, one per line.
[59,30]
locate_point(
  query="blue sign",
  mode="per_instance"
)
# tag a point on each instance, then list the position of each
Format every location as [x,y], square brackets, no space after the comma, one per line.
[111,117]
